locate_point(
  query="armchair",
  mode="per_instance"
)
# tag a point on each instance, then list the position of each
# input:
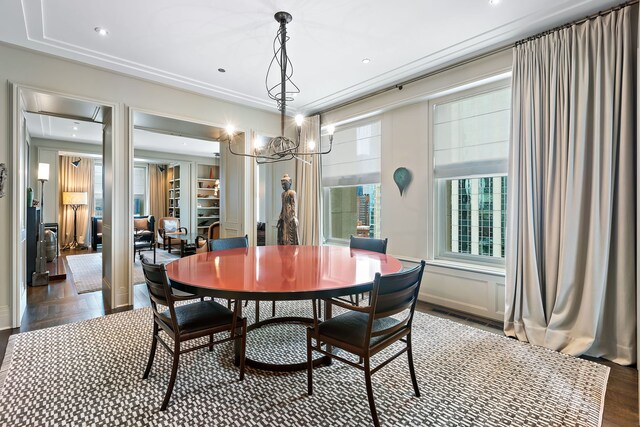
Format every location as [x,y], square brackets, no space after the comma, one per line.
[143,235]
[166,226]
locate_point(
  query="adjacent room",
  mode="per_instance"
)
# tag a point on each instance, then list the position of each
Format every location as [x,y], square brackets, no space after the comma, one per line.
[299,213]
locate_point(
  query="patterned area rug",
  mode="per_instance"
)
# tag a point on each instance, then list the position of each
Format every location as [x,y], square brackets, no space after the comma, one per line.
[87,269]
[89,373]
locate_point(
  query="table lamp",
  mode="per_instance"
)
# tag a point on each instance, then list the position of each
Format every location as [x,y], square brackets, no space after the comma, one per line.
[40,276]
[75,199]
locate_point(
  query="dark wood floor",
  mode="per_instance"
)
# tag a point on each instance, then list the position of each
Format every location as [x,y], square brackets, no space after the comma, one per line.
[59,304]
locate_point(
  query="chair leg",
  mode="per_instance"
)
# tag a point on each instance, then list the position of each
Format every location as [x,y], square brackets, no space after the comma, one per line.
[243,347]
[152,354]
[211,342]
[309,364]
[372,404]
[273,309]
[174,372]
[412,370]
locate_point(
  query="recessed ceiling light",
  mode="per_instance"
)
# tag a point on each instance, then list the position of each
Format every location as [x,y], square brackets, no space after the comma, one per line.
[74,135]
[366,60]
[222,70]
[102,31]
[494,2]
[75,128]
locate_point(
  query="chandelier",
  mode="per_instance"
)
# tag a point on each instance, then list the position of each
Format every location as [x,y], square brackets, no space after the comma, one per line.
[282,148]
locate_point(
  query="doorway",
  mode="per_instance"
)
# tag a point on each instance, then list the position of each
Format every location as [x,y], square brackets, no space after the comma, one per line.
[68,137]
[177,184]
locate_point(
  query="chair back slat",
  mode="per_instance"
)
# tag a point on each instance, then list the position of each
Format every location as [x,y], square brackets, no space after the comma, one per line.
[393,294]
[229,243]
[368,244]
[155,276]
[395,302]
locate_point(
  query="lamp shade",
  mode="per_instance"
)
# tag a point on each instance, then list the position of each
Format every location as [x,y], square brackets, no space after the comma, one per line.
[74,198]
[43,171]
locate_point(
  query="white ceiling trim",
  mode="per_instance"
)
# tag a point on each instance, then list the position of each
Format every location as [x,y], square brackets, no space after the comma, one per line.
[36,33]
[507,33]
[36,37]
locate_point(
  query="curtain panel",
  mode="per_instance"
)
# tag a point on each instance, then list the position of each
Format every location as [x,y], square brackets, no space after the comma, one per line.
[158,191]
[72,178]
[571,272]
[307,181]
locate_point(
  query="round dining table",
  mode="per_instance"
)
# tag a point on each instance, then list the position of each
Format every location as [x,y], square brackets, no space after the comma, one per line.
[276,273]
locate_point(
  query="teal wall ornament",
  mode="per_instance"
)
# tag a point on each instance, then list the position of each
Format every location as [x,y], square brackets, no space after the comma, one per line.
[402,177]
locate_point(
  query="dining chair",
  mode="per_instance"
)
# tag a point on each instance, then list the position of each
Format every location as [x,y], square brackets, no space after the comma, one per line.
[365,331]
[367,244]
[187,322]
[229,243]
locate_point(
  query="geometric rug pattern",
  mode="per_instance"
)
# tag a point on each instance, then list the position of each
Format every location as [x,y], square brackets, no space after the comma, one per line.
[87,269]
[90,374]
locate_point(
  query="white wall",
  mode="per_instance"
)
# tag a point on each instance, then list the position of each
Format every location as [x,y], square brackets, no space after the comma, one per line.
[66,77]
[408,220]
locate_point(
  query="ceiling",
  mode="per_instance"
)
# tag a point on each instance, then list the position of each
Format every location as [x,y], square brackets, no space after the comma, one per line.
[184,43]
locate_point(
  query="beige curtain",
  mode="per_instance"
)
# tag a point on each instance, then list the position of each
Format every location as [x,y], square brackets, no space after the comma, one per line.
[571,273]
[157,191]
[307,186]
[79,179]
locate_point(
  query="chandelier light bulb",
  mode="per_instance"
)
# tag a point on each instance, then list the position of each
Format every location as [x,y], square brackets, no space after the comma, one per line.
[331,129]
[230,130]
[299,119]
[258,143]
[311,144]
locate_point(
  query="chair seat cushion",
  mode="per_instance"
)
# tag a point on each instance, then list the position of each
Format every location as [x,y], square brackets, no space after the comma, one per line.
[351,328]
[199,315]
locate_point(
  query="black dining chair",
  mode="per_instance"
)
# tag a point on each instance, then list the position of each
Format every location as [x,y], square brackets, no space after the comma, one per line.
[365,331]
[229,243]
[187,322]
[367,244]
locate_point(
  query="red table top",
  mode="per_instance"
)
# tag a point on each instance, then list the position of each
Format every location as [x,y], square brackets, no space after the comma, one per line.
[280,272]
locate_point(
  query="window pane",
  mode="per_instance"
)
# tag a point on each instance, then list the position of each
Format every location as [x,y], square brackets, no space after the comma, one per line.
[477,215]
[354,211]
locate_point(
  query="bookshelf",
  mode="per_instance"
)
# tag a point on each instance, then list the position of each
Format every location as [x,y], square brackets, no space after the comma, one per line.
[173,179]
[207,196]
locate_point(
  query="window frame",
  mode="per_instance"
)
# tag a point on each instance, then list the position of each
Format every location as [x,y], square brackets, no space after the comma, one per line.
[441,204]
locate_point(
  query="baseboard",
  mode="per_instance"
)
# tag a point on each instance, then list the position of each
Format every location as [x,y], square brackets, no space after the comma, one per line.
[5,317]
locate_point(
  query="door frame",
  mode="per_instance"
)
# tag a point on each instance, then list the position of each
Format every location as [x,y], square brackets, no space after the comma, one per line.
[247,175]
[16,91]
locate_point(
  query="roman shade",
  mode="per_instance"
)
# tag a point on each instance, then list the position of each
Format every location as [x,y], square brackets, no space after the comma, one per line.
[355,157]
[471,134]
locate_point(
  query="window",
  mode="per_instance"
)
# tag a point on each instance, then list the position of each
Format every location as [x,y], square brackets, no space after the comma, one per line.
[351,182]
[353,210]
[471,144]
[139,190]
[98,202]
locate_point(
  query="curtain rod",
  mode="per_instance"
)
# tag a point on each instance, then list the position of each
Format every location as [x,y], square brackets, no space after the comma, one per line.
[578,22]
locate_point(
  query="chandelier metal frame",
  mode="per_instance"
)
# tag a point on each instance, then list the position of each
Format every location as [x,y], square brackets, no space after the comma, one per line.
[282,148]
